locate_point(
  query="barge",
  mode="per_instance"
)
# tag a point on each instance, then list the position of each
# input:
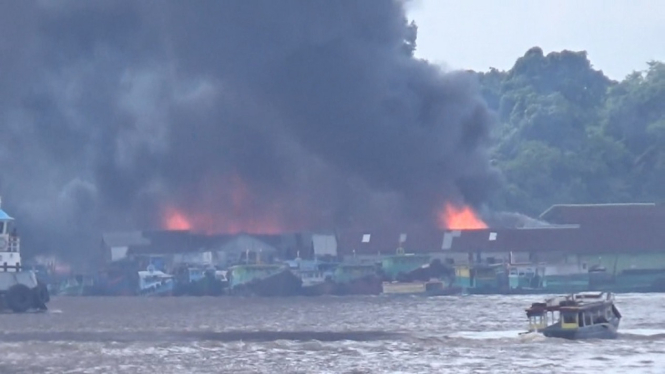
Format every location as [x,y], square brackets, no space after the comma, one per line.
[433,287]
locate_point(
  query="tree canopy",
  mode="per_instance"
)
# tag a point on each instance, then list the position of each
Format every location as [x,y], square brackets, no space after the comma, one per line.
[569,134]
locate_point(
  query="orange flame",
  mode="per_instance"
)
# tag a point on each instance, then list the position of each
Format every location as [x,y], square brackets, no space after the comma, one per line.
[459,218]
[230,211]
[218,224]
[176,220]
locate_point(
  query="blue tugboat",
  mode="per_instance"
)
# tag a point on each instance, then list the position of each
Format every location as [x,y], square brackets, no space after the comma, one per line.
[587,315]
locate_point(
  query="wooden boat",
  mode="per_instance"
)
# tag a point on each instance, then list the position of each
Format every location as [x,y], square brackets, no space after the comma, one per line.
[587,315]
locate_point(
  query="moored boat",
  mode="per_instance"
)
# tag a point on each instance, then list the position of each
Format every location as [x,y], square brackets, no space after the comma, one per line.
[263,280]
[20,290]
[356,279]
[153,282]
[433,287]
[398,266]
[77,285]
[586,315]
[316,276]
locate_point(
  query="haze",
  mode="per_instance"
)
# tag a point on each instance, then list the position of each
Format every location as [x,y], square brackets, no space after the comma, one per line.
[619,36]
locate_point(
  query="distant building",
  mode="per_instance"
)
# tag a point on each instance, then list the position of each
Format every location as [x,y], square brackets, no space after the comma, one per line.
[167,248]
[615,236]
[243,248]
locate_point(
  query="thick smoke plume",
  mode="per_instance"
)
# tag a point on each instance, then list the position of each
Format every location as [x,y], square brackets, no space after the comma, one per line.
[243,114]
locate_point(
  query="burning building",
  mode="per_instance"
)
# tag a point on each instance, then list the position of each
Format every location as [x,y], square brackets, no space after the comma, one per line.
[616,247]
[315,115]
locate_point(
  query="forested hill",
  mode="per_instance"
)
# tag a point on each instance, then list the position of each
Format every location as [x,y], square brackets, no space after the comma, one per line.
[569,134]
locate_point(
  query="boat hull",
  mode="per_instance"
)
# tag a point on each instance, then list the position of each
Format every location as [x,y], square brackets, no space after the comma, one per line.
[447,291]
[319,289]
[162,290]
[418,289]
[367,285]
[21,291]
[284,283]
[599,331]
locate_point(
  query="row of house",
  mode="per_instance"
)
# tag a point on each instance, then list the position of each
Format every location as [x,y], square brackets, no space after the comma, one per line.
[623,236]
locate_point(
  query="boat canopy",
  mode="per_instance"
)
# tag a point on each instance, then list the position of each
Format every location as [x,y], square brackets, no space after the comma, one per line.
[572,302]
[4,216]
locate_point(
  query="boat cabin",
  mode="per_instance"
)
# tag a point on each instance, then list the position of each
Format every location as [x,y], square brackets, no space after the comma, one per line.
[10,256]
[152,280]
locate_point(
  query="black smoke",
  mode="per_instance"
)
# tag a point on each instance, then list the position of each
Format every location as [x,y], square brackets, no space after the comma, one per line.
[110,110]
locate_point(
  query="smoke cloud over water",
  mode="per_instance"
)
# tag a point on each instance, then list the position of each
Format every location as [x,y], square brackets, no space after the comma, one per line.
[242,115]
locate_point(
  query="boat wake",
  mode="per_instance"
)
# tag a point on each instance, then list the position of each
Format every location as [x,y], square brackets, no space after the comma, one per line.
[486,335]
[642,334]
[532,336]
[625,334]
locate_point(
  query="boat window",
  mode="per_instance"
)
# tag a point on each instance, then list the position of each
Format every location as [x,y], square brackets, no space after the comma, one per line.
[569,318]
[538,320]
[587,319]
[599,317]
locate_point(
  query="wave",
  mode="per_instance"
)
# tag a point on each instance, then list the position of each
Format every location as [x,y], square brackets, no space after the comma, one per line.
[626,334]
[226,336]
[642,334]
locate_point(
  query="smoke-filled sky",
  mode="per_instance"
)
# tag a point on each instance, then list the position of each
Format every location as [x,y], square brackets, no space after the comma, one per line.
[241,115]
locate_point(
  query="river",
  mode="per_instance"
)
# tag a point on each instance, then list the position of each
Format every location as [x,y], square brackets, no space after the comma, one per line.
[462,334]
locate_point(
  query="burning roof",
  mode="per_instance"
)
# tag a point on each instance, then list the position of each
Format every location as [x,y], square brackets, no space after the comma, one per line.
[591,228]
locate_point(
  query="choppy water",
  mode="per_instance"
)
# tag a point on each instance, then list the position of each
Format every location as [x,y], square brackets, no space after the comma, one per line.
[472,334]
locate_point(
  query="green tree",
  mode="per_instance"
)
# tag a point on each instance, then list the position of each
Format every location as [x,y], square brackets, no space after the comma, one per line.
[568,134]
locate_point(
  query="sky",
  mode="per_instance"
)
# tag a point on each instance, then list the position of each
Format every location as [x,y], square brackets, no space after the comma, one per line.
[620,36]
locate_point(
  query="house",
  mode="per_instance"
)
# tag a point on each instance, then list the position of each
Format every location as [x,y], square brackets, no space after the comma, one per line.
[244,248]
[166,248]
[116,244]
[324,245]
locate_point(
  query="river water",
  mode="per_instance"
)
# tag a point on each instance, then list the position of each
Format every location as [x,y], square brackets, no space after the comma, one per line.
[465,334]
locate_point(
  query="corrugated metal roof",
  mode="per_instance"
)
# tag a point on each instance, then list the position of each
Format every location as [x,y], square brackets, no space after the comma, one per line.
[617,237]
[591,214]
[367,242]
[124,239]
[174,241]
[386,242]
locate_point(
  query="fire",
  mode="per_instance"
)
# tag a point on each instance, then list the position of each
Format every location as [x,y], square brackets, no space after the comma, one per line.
[230,210]
[176,220]
[210,223]
[459,218]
